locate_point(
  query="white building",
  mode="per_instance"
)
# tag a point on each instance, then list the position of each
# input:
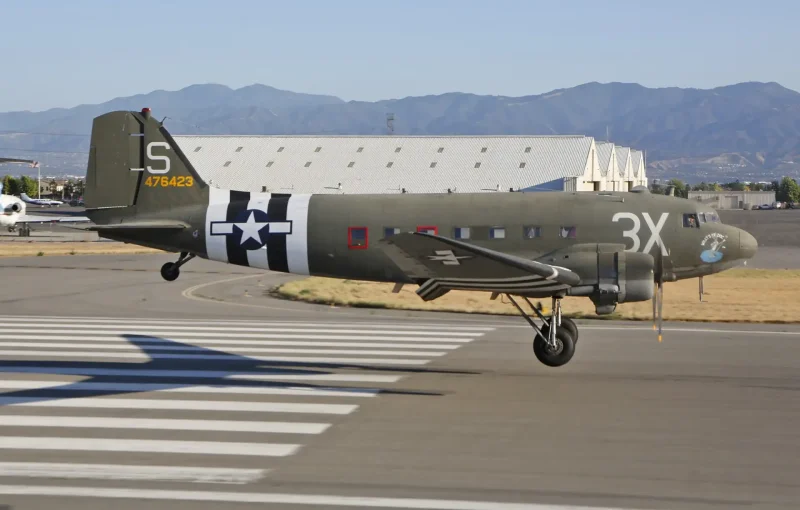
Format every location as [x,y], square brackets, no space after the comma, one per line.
[396,164]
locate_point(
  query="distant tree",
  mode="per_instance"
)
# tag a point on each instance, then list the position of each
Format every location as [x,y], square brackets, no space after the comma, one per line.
[734,186]
[716,187]
[788,191]
[29,186]
[80,187]
[680,188]
[11,186]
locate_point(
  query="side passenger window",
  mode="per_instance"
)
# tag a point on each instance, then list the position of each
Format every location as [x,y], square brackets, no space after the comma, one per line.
[690,220]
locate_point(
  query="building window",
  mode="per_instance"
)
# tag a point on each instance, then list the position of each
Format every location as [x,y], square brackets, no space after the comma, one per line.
[428,230]
[483,149]
[360,149]
[497,233]
[441,150]
[269,164]
[568,232]
[227,163]
[527,150]
[478,164]
[522,165]
[239,149]
[308,164]
[318,149]
[532,232]
[263,189]
[433,165]
[397,149]
[461,232]
[280,149]
[357,238]
[390,231]
[198,149]
[389,164]
[351,164]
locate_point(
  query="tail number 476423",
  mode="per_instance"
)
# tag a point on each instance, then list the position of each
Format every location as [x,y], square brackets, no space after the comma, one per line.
[633,233]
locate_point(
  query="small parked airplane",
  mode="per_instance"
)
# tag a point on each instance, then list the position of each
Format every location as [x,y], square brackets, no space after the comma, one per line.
[610,247]
[40,201]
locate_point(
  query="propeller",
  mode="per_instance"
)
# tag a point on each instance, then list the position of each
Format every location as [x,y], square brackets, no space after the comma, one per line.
[658,293]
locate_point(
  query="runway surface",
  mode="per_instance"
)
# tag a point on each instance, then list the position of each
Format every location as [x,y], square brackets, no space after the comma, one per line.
[120,389]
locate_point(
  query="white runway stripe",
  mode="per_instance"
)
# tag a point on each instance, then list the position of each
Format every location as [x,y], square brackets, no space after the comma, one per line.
[187,330]
[282,499]
[243,351]
[201,374]
[146,445]
[271,427]
[171,388]
[214,357]
[126,472]
[138,321]
[154,333]
[181,405]
[416,344]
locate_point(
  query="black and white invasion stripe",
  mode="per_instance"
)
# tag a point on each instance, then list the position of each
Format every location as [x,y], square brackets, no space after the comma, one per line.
[284,252]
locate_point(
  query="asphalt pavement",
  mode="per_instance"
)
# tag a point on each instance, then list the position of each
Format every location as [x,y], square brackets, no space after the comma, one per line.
[120,389]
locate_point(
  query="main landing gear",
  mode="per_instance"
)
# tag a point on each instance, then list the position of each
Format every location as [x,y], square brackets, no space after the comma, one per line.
[171,270]
[554,343]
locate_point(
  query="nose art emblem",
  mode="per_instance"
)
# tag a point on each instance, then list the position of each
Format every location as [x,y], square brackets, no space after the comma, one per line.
[713,245]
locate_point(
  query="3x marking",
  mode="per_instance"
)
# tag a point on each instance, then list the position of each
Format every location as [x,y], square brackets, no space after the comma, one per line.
[633,234]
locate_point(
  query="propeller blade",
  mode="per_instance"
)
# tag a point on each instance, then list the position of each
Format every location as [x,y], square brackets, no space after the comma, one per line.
[660,308]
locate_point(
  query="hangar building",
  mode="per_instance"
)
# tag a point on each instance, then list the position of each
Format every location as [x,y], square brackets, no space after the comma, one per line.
[733,199]
[412,164]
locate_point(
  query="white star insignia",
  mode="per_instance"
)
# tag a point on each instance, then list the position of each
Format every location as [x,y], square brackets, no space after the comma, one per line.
[251,229]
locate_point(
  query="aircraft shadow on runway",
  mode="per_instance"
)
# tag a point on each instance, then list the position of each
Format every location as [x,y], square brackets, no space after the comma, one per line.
[161,371]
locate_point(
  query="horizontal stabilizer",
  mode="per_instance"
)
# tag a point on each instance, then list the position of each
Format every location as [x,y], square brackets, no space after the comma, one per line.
[29,218]
[139,225]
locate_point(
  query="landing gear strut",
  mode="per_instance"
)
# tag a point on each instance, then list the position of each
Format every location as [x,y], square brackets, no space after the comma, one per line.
[554,342]
[171,270]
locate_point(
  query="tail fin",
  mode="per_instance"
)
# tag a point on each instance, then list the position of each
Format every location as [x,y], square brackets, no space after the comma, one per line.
[135,165]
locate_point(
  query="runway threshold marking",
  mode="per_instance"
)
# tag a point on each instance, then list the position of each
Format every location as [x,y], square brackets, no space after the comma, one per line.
[281,498]
[94,444]
[131,472]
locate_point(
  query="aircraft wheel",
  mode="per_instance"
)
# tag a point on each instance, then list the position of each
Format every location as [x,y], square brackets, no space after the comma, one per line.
[170,271]
[566,323]
[558,355]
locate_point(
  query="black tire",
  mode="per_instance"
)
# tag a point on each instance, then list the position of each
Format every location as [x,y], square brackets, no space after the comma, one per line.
[565,349]
[570,326]
[170,271]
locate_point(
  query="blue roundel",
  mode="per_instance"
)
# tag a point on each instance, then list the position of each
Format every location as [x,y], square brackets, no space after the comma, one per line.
[711,256]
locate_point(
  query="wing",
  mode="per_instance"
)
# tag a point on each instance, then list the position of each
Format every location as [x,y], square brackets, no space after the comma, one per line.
[30,218]
[446,264]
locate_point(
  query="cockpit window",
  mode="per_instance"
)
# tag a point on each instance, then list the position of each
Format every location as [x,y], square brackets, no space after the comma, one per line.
[712,217]
[702,217]
[690,220]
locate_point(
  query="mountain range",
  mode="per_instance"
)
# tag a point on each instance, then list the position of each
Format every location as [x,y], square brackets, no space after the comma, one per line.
[746,131]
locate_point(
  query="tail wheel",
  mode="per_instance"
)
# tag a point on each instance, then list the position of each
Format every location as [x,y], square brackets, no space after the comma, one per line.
[170,271]
[558,355]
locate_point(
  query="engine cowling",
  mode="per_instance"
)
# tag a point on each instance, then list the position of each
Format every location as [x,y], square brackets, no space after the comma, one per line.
[610,275]
[15,207]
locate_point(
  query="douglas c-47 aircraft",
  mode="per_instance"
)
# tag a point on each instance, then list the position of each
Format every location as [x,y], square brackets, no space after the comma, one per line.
[609,247]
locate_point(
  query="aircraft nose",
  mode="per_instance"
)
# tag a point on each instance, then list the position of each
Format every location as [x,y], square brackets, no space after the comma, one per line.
[748,246]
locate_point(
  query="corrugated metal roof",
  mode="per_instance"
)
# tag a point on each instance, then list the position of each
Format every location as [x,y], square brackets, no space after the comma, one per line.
[604,151]
[382,164]
[623,154]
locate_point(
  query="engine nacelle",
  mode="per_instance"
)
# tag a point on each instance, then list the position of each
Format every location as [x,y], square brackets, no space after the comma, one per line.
[16,207]
[612,276]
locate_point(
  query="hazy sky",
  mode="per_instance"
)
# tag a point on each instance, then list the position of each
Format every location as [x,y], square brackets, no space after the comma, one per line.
[57,53]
